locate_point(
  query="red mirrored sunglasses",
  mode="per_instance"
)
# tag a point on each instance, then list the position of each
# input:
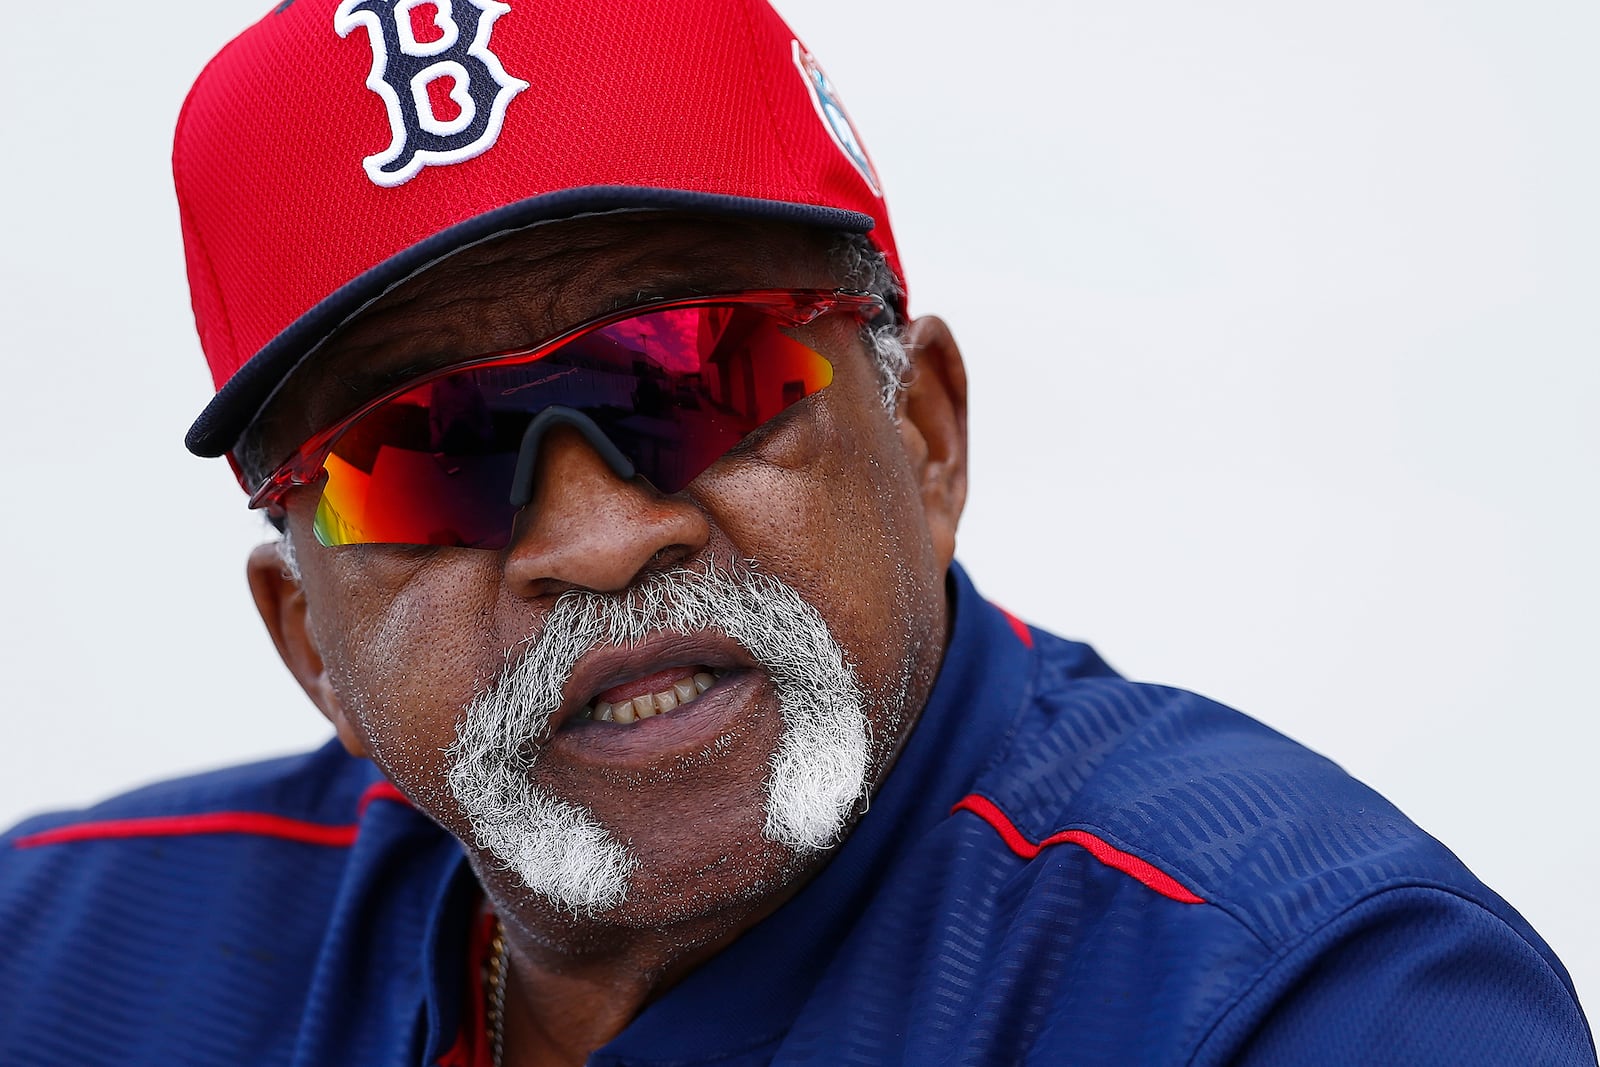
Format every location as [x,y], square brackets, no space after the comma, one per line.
[661,390]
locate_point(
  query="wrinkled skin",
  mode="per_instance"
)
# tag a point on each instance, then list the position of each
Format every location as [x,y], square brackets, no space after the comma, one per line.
[853,506]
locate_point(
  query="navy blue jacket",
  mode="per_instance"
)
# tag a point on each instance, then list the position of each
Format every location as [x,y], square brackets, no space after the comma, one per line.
[1062,868]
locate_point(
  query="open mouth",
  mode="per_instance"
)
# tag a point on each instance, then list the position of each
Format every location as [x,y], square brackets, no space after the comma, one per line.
[655,694]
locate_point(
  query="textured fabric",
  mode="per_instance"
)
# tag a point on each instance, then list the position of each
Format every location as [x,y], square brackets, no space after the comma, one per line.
[1134,875]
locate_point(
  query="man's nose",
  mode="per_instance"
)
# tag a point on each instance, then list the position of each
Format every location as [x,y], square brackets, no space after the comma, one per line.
[583,527]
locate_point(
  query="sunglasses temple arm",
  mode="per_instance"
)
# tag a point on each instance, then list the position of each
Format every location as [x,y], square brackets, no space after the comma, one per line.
[547,420]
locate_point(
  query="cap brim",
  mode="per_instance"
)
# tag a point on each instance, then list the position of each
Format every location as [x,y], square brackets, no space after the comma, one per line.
[242,397]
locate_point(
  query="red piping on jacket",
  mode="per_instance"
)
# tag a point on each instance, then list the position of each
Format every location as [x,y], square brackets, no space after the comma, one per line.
[217,822]
[1126,862]
[380,791]
[1017,625]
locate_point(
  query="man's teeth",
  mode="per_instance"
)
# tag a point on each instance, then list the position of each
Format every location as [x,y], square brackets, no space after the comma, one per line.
[683,691]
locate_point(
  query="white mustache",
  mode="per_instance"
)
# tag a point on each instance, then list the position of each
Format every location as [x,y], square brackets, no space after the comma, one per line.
[816,776]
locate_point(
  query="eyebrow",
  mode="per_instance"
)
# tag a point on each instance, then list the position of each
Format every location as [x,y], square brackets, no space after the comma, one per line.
[360,384]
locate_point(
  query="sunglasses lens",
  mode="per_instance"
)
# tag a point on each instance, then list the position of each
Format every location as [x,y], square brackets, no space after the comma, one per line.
[675,390]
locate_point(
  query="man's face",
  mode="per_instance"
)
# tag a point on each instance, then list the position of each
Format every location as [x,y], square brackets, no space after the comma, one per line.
[816,527]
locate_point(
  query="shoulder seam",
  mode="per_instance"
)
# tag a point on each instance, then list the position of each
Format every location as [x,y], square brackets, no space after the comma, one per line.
[1289,948]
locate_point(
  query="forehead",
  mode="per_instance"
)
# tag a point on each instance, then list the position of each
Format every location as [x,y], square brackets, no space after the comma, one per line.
[520,288]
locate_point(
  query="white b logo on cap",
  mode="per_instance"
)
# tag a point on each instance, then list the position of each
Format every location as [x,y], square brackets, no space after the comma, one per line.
[404,68]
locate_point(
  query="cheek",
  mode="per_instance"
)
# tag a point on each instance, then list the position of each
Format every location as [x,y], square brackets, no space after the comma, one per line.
[406,641]
[830,506]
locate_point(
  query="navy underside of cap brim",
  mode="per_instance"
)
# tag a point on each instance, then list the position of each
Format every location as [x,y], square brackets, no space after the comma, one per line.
[241,398]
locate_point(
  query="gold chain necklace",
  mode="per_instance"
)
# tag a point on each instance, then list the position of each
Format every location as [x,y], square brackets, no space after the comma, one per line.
[494,992]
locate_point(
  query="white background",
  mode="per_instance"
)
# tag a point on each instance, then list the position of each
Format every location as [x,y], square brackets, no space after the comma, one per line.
[1282,326]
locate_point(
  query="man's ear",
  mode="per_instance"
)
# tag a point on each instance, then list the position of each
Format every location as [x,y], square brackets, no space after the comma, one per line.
[282,603]
[933,424]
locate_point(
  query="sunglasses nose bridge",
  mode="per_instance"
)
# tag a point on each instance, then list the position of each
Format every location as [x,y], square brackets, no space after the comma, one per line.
[549,419]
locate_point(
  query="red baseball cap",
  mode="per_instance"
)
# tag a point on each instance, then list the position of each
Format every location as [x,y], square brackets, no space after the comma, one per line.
[338,147]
